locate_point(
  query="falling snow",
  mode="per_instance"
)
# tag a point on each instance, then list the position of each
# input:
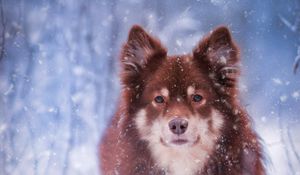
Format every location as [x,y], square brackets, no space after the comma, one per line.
[283,98]
[59,74]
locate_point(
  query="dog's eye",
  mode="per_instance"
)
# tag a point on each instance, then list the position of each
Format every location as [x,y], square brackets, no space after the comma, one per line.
[159,99]
[197,98]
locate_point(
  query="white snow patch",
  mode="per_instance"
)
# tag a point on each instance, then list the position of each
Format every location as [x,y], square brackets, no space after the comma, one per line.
[25,108]
[51,109]
[283,98]
[277,81]
[178,43]
[296,95]
[2,128]
[78,161]
[263,119]
[217,2]
[78,70]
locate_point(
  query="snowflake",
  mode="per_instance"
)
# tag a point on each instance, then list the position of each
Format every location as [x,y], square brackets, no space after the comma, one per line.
[277,81]
[283,98]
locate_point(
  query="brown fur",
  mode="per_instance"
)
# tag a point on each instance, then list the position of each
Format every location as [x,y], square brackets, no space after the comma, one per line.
[146,67]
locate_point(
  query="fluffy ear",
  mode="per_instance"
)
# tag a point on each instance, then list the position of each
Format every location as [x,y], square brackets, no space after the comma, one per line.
[138,52]
[220,55]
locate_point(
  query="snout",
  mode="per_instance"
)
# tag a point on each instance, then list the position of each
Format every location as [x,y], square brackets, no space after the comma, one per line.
[178,126]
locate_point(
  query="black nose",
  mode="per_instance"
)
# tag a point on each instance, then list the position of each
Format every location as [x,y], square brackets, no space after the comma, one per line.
[178,126]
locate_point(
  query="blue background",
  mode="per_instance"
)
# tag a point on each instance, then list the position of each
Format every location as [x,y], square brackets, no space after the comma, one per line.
[59,73]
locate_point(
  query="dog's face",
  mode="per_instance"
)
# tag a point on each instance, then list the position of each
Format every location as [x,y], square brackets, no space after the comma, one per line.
[174,98]
[178,106]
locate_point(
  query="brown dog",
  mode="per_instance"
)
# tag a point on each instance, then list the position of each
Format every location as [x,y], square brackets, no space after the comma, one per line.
[180,114]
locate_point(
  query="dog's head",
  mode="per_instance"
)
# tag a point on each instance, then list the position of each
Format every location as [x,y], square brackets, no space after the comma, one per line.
[173,99]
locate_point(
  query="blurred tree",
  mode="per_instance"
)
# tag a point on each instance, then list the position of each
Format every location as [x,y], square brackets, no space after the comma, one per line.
[294,27]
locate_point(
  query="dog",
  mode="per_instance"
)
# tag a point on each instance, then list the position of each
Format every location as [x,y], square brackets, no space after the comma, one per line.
[180,115]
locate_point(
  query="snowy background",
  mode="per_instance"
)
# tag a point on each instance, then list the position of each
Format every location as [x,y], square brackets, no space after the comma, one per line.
[59,67]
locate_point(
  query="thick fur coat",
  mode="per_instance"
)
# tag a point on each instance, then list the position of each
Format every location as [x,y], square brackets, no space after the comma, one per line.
[180,114]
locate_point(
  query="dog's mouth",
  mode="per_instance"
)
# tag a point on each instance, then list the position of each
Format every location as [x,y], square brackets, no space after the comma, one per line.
[180,142]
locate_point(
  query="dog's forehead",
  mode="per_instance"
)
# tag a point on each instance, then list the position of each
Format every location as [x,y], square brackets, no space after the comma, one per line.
[177,73]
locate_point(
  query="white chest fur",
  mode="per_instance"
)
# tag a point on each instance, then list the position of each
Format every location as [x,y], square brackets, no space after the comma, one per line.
[183,161]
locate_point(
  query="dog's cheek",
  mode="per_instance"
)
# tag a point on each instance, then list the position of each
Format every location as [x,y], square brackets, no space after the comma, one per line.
[203,129]
[141,123]
[149,129]
[156,131]
[209,128]
[217,120]
[214,125]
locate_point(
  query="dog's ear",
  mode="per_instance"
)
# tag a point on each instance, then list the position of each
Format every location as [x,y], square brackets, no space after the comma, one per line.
[220,56]
[138,52]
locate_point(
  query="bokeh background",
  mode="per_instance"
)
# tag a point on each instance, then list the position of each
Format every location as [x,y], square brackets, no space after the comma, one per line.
[59,73]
